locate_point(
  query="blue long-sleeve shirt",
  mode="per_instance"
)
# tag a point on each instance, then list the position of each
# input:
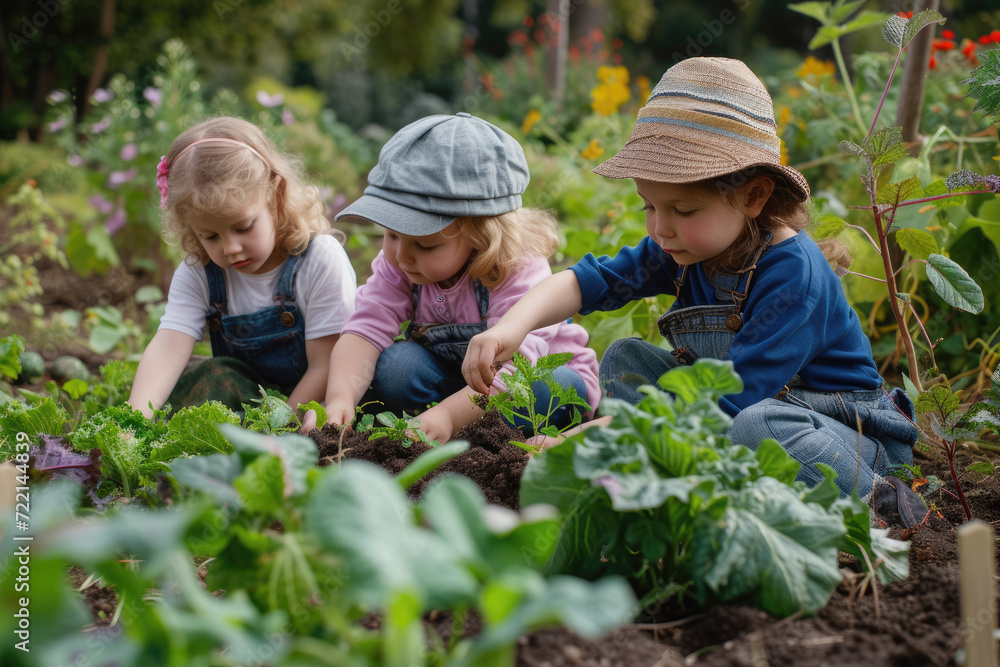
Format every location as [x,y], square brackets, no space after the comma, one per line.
[796,319]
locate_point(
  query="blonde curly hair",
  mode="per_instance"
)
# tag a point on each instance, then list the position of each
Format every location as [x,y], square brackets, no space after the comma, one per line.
[501,243]
[223,178]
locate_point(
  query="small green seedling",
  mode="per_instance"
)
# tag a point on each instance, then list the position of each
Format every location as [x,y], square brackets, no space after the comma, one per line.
[403,430]
[519,399]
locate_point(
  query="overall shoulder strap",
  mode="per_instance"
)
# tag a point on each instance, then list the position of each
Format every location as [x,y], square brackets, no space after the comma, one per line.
[482,297]
[216,285]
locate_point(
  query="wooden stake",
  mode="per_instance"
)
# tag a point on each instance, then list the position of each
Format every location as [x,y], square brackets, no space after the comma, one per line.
[978,593]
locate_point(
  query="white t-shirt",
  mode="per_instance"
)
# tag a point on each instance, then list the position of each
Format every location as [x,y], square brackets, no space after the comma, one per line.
[324,292]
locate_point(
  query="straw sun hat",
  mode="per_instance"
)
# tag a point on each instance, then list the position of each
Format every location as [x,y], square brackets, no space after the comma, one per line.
[707,117]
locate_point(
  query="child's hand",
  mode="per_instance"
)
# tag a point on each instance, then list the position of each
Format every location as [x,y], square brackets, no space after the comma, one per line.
[339,412]
[437,424]
[308,422]
[485,351]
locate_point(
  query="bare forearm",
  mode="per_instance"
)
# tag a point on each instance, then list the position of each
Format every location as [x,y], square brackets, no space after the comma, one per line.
[161,365]
[312,384]
[551,301]
[352,367]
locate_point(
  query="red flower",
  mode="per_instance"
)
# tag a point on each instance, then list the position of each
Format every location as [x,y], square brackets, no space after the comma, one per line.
[932,63]
[528,21]
[597,35]
[995,36]
[540,36]
[574,53]
[617,43]
[985,39]
[969,51]
[942,45]
[905,15]
[948,34]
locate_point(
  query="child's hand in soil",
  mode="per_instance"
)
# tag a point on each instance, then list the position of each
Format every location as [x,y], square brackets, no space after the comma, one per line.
[541,442]
[437,424]
[308,422]
[486,351]
[339,412]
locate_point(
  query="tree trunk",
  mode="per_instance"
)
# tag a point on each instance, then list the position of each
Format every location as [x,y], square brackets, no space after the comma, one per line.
[555,54]
[100,57]
[911,95]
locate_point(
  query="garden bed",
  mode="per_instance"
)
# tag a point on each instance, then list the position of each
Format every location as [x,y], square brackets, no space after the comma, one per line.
[912,622]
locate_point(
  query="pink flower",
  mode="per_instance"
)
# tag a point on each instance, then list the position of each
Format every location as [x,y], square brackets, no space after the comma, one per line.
[55,126]
[58,95]
[115,221]
[102,205]
[75,161]
[287,117]
[102,95]
[129,151]
[117,178]
[101,125]
[269,101]
[153,95]
[162,170]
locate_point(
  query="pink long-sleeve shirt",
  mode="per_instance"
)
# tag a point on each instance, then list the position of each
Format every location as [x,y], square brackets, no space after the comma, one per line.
[385,301]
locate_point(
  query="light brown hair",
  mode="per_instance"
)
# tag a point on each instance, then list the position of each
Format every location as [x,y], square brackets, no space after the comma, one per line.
[221,178]
[502,243]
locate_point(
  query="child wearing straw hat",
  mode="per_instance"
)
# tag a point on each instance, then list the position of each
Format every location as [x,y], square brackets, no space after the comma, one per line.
[724,221]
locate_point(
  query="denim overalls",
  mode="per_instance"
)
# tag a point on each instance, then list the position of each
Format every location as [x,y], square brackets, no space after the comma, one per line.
[812,426]
[270,340]
[426,367]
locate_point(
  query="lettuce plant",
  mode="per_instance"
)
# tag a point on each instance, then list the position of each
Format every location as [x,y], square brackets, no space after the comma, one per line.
[662,497]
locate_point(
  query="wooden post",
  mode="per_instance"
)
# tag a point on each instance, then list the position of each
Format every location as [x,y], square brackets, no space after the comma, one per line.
[911,95]
[977,568]
[555,54]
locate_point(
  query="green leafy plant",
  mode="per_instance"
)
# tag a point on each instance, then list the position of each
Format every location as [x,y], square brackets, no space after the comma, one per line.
[399,429]
[519,399]
[662,497]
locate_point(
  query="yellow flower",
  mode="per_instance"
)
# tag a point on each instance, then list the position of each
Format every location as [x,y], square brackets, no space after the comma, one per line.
[813,69]
[529,121]
[644,90]
[612,92]
[592,151]
[784,153]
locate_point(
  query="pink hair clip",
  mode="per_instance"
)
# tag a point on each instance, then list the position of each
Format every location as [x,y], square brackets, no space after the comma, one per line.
[162,170]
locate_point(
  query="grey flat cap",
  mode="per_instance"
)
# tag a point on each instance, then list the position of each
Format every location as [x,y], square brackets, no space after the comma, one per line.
[439,168]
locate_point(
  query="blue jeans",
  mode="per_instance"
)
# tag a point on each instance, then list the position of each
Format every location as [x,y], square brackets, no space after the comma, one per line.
[813,427]
[409,377]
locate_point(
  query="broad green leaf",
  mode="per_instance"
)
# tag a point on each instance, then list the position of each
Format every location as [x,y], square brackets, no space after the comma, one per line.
[954,285]
[825,35]
[826,492]
[430,460]
[706,376]
[359,512]
[919,21]
[816,10]
[11,348]
[864,20]
[76,388]
[776,462]
[917,242]
[894,556]
[830,228]
[850,147]
[148,294]
[840,12]
[46,417]
[193,431]
[321,416]
[550,361]
[773,547]
[981,467]
[261,485]
[885,146]
[103,339]
[894,30]
[589,609]
[610,329]
[297,453]
[212,475]
[894,193]
[936,399]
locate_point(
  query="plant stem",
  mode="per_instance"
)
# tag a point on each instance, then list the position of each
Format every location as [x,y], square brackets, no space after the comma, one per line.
[848,86]
[910,202]
[885,92]
[890,279]
[950,450]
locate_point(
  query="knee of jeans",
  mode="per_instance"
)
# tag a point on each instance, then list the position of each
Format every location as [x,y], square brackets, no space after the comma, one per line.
[400,370]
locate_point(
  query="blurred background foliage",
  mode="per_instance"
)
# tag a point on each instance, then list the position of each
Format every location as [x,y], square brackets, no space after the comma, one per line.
[93,92]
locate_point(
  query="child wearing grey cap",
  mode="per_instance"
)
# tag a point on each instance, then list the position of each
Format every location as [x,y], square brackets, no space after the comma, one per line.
[459,250]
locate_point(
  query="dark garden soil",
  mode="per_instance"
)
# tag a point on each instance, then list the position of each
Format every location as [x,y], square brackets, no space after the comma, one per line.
[911,623]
